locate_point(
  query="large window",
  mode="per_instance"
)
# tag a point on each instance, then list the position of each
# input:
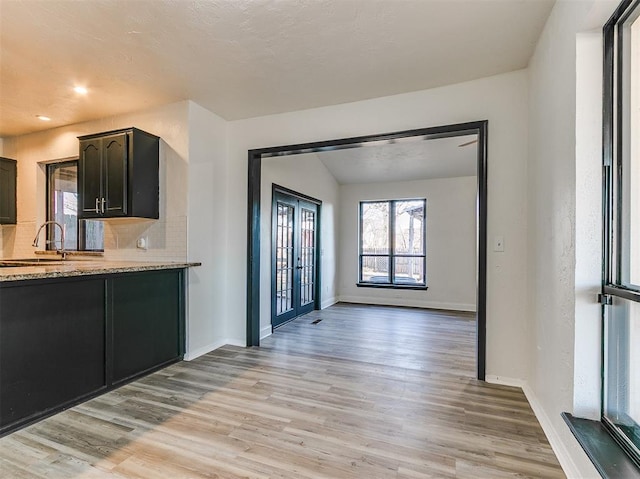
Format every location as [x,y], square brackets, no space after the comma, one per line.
[392,243]
[621,343]
[62,207]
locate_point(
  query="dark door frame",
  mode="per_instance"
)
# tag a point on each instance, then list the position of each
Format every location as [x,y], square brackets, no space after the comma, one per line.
[253,215]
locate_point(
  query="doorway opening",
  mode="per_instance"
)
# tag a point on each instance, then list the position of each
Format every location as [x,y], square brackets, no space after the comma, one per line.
[294,255]
[255,157]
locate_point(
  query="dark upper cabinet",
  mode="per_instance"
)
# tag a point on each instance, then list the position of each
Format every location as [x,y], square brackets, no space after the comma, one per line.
[118,174]
[8,169]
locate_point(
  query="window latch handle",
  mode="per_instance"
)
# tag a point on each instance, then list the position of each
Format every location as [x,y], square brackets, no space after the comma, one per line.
[605,299]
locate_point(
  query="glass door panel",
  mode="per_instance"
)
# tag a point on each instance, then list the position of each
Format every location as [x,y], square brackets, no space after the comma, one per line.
[307,256]
[284,259]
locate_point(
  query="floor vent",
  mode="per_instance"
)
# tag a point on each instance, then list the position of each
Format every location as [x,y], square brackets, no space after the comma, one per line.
[316,321]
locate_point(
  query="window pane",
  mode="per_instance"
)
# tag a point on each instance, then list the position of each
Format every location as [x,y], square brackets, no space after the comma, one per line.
[94,235]
[375,269]
[622,367]
[64,206]
[409,270]
[375,228]
[630,155]
[408,227]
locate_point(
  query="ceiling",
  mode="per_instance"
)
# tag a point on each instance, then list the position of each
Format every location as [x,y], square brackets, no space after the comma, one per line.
[246,58]
[412,158]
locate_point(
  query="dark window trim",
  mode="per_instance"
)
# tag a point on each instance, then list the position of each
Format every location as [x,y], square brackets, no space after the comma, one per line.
[255,156]
[610,460]
[609,450]
[391,283]
[418,287]
[613,143]
[50,212]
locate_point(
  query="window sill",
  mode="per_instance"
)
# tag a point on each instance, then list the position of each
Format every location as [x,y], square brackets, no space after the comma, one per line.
[604,452]
[392,286]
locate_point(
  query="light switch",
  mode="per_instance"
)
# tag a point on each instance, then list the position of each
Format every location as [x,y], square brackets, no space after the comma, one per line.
[498,244]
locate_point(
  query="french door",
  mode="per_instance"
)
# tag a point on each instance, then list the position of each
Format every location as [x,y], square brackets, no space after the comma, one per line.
[294,277]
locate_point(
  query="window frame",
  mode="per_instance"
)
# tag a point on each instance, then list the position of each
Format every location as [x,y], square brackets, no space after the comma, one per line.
[614,139]
[392,255]
[50,232]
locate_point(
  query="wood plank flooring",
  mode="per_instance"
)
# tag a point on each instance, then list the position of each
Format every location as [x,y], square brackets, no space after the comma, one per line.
[367,392]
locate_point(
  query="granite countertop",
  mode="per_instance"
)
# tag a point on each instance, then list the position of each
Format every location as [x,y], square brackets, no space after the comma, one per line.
[67,268]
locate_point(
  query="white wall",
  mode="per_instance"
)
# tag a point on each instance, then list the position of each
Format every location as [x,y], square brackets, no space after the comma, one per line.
[502,100]
[451,243]
[304,174]
[588,226]
[564,241]
[206,195]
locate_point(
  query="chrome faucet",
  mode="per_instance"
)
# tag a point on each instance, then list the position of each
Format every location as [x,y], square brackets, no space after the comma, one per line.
[61,250]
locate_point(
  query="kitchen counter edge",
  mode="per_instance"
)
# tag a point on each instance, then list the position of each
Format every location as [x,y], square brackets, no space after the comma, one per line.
[85,268]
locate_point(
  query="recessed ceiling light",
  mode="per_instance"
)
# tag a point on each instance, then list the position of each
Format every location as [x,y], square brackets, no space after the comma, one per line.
[80,90]
[43,118]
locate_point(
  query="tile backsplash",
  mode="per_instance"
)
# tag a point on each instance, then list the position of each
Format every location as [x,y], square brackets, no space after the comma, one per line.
[166,239]
[17,239]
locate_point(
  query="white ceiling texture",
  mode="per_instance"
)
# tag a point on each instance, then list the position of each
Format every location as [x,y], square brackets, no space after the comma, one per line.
[412,158]
[246,58]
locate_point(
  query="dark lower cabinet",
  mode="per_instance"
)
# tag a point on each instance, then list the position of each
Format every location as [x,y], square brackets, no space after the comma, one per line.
[68,339]
[144,308]
[52,346]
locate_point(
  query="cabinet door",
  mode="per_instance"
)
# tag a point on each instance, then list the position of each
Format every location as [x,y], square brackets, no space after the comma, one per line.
[52,346]
[90,178]
[115,153]
[7,191]
[146,311]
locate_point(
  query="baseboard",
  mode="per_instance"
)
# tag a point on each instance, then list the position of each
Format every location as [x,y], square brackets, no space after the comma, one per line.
[191,355]
[569,467]
[408,302]
[265,332]
[503,381]
[329,302]
[562,453]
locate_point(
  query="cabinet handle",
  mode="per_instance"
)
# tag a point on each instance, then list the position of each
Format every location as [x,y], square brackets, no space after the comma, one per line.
[103,202]
[97,206]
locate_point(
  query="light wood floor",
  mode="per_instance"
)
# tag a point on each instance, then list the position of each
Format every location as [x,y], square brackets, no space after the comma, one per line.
[368,392]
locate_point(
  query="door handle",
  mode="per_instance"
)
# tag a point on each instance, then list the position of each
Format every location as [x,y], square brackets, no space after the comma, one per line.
[103,202]
[97,206]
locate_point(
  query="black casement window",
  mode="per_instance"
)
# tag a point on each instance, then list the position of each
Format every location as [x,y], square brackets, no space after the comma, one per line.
[621,258]
[393,243]
[62,207]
